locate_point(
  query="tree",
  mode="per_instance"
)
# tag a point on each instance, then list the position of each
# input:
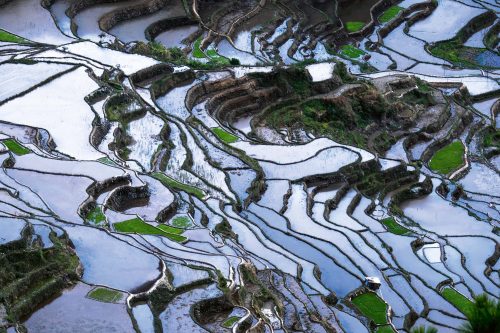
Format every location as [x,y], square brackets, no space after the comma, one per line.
[484,316]
[423,329]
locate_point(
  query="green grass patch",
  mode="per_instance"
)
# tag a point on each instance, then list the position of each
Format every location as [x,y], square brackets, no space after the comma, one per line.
[462,303]
[197,52]
[105,295]
[96,216]
[16,147]
[169,182]
[448,159]
[351,51]
[394,227]
[106,160]
[137,225]
[353,26]
[230,321]
[455,52]
[7,37]
[217,58]
[170,229]
[213,54]
[372,307]
[224,135]
[181,222]
[385,329]
[389,14]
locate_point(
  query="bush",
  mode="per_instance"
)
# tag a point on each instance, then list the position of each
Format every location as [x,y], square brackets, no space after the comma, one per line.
[484,316]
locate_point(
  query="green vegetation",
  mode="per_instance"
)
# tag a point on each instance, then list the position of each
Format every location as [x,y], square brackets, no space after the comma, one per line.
[385,329]
[484,316]
[343,119]
[222,282]
[176,56]
[30,274]
[160,52]
[353,26]
[295,77]
[383,142]
[170,229]
[218,59]
[181,222]
[197,52]
[417,96]
[230,321]
[234,62]
[449,158]
[106,160]
[422,85]
[372,307]
[394,227]
[224,135]
[389,14]
[96,216]
[491,137]
[7,37]
[254,292]
[115,85]
[344,74]
[459,55]
[105,295]
[169,182]
[124,108]
[212,54]
[351,51]
[458,300]
[137,225]
[423,329]
[16,147]
[224,228]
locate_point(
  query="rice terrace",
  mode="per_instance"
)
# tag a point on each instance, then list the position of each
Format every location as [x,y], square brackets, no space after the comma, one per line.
[260,166]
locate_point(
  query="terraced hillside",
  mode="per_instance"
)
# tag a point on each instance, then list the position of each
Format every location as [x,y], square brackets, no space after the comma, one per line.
[245,166]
